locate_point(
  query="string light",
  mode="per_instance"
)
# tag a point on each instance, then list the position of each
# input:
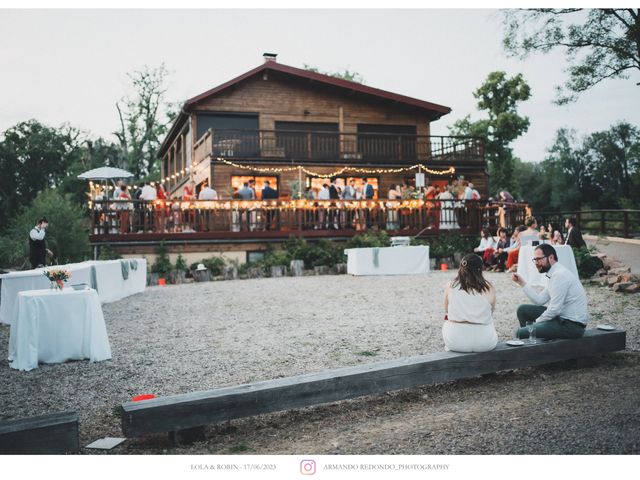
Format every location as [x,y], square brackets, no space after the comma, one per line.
[448,171]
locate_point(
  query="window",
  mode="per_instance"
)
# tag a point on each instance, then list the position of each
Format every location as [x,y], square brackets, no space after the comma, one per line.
[316,184]
[315,140]
[237,181]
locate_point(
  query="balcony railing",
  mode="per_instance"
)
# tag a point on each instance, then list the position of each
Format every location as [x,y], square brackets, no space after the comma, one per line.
[334,147]
[249,218]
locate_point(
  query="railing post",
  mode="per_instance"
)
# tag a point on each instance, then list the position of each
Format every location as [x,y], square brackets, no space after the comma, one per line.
[309,151]
[626,224]
[602,222]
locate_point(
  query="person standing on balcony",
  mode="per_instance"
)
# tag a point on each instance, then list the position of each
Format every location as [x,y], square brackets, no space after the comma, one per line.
[334,194]
[148,195]
[123,208]
[189,195]
[367,194]
[206,193]
[269,193]
[574,237]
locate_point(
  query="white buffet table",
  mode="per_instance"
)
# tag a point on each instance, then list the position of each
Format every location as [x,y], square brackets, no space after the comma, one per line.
[528,271]
[109,282]
[388,261]
[53,326]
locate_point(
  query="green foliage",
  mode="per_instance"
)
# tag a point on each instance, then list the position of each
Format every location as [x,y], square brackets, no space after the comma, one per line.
[601,170]
[345,74]
[67,236]
[162,264]
[107,253]
[181,265]
[33,157]
[144,120]
[499,96]
[599,44]
[587,264]
[215,265]
[445,246]
[276,258]
[369,240]
[313,255]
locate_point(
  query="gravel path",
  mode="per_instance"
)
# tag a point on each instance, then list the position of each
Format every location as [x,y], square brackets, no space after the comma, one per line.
[184,338]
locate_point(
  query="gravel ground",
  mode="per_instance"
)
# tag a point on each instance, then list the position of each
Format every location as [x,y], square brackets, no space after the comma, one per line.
[184,338]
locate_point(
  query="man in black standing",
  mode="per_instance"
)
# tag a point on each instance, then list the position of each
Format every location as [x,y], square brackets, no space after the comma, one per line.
[269,193]
[37,248]
[574,237]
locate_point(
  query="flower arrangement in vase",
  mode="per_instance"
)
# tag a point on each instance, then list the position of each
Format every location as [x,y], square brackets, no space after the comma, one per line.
[57,277]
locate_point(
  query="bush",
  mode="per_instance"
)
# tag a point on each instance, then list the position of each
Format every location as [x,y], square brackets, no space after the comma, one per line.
[322,253]
[181,265]
[215,265]
[107,253]
[447,245]
[276,258]
[162,265]
[369,240]
[587,264]
[67,236]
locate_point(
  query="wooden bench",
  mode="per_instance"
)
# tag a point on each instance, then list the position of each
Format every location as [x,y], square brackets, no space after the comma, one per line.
[191,411]
[52,434]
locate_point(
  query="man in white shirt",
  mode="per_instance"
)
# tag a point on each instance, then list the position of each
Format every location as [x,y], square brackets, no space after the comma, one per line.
[566,314]
[148,192]
[207,193]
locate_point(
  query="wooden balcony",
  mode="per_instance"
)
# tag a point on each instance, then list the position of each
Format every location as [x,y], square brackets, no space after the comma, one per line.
[338,148]
[241,220]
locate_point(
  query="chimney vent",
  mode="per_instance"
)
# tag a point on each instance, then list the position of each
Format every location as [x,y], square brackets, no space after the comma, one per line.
[269,57]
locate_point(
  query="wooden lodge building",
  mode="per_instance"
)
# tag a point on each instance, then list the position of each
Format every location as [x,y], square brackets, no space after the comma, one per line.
[294,128]
[278,116]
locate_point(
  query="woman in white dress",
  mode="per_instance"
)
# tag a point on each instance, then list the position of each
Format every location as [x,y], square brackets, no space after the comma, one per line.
[469,301]
[447,210]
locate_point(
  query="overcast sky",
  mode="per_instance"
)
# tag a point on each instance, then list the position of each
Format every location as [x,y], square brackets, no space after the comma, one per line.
[71,65]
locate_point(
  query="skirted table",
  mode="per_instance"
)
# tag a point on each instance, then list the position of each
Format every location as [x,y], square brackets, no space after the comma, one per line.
[528,271]
[107,277]
[388,261]
[52,326]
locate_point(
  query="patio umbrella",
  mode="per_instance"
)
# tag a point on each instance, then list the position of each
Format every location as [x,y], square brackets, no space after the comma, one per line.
[105,174]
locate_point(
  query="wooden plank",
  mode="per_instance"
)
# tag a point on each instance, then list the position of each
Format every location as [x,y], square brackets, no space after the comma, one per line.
[190,410]
[47,434]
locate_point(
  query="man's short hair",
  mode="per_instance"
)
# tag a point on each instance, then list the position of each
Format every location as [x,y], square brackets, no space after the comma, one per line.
[266,182]
[42,220]
[572,221]
[548,250]
[500,230]
[530,221]
[521,228]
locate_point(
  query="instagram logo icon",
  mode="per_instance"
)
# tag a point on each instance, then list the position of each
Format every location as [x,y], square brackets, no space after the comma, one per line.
[308,467]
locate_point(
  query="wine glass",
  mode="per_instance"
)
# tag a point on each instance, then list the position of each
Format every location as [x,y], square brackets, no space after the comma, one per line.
[532,331]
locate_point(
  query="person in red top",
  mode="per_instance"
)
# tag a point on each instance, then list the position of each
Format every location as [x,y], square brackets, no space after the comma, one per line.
[189,195]
[123,208]
[160,208]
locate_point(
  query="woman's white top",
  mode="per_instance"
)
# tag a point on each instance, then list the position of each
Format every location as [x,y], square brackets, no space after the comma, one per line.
[486,243]
[479,335]
[472,308]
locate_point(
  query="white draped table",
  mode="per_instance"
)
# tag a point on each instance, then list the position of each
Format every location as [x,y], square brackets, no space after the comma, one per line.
[109,281]
[388,261]
[55,326]
[528,271]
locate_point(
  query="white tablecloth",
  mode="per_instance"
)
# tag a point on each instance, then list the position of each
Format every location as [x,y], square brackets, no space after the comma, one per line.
[528,271]
[54,326]
[109,282]
[391,260]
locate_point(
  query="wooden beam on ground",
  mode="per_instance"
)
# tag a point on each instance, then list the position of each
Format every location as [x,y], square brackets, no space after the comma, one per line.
[185,411]
[52,434]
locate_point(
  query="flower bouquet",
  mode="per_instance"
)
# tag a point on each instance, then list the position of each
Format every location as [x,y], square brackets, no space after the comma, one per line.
[57,277]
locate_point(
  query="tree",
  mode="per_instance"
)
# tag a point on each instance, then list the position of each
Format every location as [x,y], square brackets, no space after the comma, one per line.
[599,44]
[346,74]
[499,96]
[144,120]
[67,235]
[34,157]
